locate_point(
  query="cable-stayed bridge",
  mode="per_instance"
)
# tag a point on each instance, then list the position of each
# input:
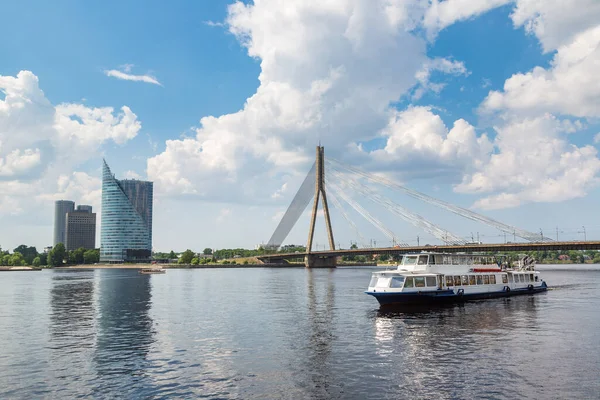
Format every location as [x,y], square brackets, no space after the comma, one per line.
[344,180]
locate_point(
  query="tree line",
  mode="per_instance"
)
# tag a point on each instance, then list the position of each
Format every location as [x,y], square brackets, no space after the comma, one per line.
[209,255]
[24,255]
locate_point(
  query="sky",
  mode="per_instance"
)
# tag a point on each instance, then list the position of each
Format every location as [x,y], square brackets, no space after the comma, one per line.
[491,105]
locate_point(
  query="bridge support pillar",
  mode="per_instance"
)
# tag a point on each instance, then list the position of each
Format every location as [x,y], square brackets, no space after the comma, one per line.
[318,261]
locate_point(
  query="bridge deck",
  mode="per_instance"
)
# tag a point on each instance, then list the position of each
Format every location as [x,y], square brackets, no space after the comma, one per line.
[501,247]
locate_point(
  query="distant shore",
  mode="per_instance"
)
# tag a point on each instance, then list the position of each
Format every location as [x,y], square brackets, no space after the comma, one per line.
[175,266]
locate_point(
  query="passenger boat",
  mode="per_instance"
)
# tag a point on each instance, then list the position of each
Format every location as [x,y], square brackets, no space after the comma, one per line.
[444,278]
[152,271]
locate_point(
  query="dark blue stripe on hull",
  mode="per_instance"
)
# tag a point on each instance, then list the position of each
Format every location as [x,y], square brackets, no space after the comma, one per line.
[445,296]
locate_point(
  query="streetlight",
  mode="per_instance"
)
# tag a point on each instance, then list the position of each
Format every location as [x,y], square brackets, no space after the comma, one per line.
[541,235]
[584,234]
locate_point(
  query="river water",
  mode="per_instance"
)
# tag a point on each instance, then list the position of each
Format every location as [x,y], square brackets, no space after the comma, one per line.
[290,334]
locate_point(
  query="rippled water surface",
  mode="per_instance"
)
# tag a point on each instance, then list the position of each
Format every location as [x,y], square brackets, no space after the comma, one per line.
[288,333]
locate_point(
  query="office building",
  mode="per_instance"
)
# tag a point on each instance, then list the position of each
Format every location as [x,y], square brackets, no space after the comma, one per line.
[81,228]
[126,232]
[61,208]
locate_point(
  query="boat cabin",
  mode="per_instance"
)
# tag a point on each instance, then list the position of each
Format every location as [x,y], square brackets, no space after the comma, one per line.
[464,272]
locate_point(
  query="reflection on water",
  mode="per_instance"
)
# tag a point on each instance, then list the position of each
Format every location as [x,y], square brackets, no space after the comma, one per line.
[287,333]
[124,335]
[317,380]
[72,328]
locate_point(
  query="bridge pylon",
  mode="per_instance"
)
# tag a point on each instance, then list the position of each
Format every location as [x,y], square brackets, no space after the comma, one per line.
[314,261]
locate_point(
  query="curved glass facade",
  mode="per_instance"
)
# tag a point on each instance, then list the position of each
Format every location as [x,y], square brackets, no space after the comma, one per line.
[126,232]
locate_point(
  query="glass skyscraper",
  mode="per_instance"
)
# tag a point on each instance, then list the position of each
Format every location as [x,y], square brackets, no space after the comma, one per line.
[126,232]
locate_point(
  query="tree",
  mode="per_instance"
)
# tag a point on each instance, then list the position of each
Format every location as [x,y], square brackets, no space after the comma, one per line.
[16,259]
[36,262]
[28,252]
[58,255]
[91,256]
[77,256]
[195,261]
[186,257]
[207,251]
[43,258]
[172,255]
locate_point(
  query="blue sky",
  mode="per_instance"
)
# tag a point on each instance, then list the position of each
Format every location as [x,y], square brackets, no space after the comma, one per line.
[278,77]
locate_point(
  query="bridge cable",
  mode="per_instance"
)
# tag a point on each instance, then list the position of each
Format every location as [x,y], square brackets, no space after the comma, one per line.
[301,200]
[530,236]
[402,212]
[364,213]
[336,203]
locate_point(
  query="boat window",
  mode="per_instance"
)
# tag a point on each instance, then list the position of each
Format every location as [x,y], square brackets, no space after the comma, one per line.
[409,282]
[422,260]
[397,282]
[465,280]
[410,260]
[439,259]
[522,278]
[486,279]
[456,280]
[373,282]
[383,282]
[530,277]
[419,281]
[454,260]
[476,260]
[449,281]
[479,280]
[492,279]
[471,279]
[431,281]
[504,278]
[536,278]
[432,259]
[447,260]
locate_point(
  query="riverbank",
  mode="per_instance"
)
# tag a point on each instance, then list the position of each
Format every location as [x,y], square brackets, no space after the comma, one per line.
[175,266]
[20,269]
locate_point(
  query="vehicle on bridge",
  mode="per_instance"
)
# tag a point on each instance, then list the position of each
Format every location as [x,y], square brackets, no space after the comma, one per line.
[427,277]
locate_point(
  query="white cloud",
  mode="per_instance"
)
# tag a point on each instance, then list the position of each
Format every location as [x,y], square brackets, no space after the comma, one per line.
[18,161]
[441,14]
[130,77]
[329,71]
[419,143]
[534,162]
[569,86]
[42,144]
[443,65]
[132,175]
[556,22]
[279,192]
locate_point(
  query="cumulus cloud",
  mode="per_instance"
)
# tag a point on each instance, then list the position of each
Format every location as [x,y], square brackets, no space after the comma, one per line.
[534,162]
[556,22]
[329,71]
[570,86]
[126,76]
[441,14]
[443,65]
[41,144]
[419,143]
